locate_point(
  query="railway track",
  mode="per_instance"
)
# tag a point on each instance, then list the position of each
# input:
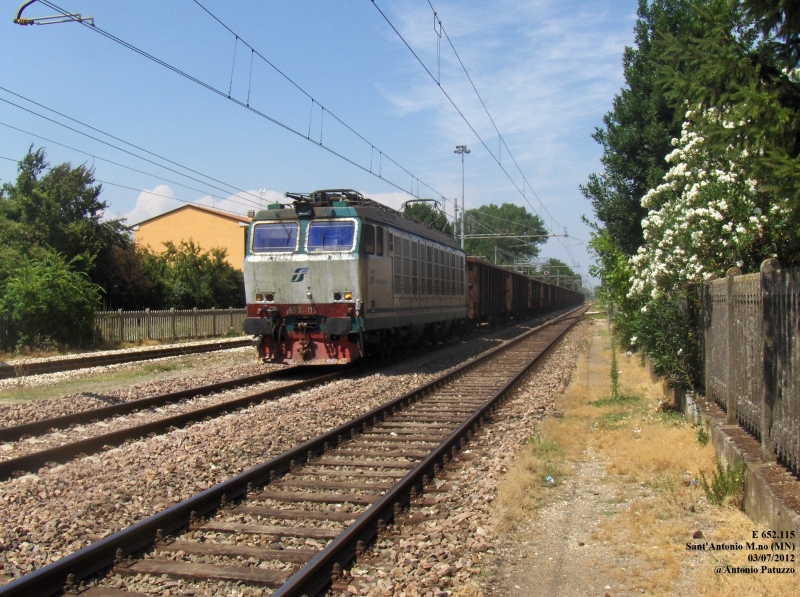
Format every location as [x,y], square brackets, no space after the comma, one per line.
[335,493]
[8,370]
[33,461]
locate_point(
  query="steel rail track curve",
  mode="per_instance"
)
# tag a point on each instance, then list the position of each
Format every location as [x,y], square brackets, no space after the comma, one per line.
[424,429]
[37,368]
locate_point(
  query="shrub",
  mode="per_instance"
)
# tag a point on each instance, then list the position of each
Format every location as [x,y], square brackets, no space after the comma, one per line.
[48,301]
[727,485]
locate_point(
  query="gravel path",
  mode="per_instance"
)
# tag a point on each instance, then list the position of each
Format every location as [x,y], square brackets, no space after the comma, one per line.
[53,513]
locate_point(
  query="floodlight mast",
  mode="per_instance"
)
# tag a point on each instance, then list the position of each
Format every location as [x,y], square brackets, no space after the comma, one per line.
[461,150]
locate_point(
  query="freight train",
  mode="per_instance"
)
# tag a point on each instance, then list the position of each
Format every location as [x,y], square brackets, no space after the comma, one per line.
[335,276]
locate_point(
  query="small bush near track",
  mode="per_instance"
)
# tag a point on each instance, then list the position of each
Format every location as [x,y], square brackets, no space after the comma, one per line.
[726,486]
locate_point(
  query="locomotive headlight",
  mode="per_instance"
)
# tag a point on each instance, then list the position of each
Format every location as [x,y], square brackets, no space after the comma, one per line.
[270,297]
[259,297]
[348,296]
[337,296]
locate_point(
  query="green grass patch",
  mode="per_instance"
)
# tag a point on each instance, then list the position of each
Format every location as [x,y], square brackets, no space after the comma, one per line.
[543,447]
[671,417]
[619,400]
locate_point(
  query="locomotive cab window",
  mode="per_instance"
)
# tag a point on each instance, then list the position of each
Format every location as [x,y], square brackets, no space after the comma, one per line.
[327,236]
[275,238]
[379,241]
[368,239]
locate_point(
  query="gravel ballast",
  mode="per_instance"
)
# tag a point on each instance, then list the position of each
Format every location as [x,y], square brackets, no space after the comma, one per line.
[61,509]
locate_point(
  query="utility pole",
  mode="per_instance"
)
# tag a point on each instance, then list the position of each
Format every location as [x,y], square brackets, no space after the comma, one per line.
[455,222]
[461,150]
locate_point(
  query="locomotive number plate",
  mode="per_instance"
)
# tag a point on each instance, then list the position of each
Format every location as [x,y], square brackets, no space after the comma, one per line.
[301,310]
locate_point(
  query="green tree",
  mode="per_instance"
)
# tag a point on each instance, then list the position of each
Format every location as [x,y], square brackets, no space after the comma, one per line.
[425,213]
[638,132]
[47,300]
[559,272]
[185,276]
[741,83]
[779,20]
[518,233]
[57,207]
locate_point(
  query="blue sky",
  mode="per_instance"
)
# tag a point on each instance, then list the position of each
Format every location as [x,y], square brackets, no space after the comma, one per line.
[547,71]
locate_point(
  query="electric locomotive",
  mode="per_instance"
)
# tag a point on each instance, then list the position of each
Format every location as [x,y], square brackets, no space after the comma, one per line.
[335,275]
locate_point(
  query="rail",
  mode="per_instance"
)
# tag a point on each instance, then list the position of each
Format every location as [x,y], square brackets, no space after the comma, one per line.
[322,567]
[38,367]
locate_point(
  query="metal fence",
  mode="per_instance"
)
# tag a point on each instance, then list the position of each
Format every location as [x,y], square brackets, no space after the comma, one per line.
[751,350]
[131,326]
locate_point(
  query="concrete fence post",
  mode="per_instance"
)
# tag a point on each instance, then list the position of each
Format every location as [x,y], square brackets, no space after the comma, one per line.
[769,275]
[121,325]
[196,322]
[172,322]
[147,317]
[730,400]
[213,322]
[707,303]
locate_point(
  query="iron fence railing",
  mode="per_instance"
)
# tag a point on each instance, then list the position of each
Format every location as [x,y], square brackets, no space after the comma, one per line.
[751,344]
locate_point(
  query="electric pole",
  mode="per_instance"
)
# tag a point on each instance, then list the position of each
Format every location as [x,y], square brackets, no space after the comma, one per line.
[461,150]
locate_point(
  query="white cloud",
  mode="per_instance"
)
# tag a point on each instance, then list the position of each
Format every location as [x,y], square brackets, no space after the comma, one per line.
[159,200]
[393,200]
[241,202]
[151,203]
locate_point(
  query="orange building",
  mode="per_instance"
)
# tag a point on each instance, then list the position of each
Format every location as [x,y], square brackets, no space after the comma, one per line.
[208,228]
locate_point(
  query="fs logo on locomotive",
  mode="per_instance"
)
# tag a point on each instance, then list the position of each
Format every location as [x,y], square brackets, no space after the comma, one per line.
[299,274]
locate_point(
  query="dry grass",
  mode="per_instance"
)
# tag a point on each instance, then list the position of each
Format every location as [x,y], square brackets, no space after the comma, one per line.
[525,487]
[733,523]
[654,458]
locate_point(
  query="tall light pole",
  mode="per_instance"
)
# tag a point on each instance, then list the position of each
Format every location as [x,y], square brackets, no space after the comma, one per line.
[462,149]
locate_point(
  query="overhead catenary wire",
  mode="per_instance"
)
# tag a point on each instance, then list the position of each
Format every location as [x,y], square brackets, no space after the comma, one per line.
[256,199]
[134,154]
[115,184]
[245,105]
[131,168]
[122,186]
[283,125]
[437,80]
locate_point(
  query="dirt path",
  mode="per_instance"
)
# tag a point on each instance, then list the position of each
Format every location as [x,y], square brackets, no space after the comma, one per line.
[623,500]
[557,555]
